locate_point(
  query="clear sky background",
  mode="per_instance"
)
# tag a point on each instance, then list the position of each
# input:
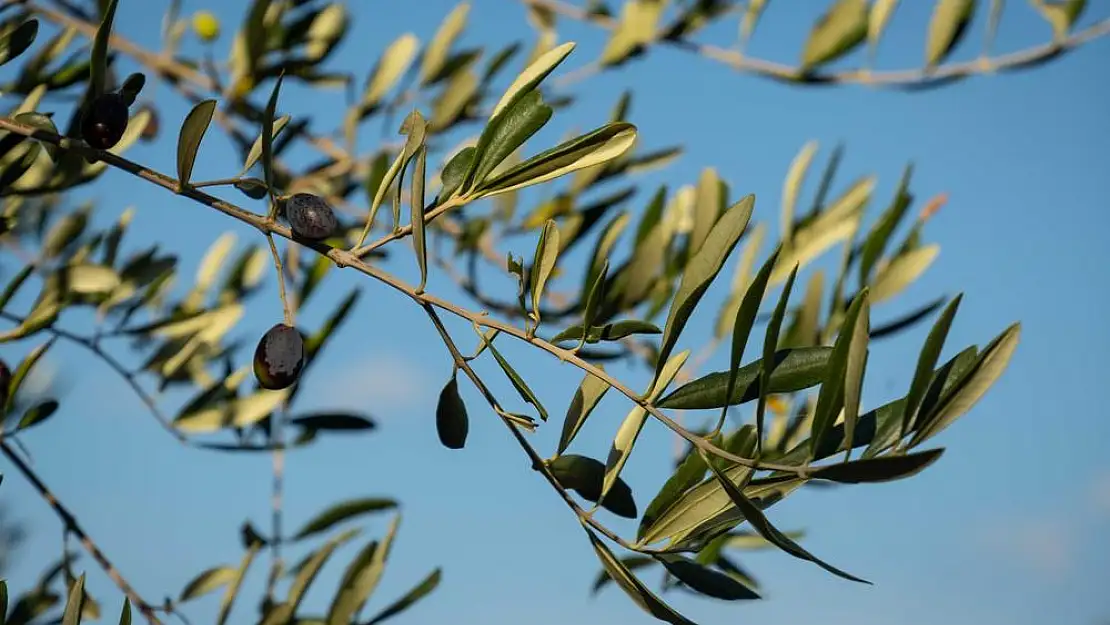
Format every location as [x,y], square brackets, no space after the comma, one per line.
[1010,527]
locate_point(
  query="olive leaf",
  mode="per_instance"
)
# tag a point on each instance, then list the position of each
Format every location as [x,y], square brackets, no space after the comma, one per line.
[754,516]
[543,264]
[268,141]
[518,382]
[255,151]
[946,28]
[207,581]
[877,19]
[594,148]
[741,330]
[416,216]
[98,61]
[964,394]
[795,176]
[584,475]
[416,593]
[188,140]
[76,599]
[630,428]
[794,369]
[881,469]
[701,270]
[16,41]
[770,343]
[586,397]
[609,332]
[435,55]
[884,227]
[688,474]
[342,512]
[704,579]
[635,589]
[837,32]
[926,362]
[361,578]
[846,360]
[391,66]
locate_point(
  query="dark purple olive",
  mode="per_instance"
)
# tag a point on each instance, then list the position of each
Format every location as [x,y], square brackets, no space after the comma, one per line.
[310,217]
[279,357]
[105,121]
[5,383]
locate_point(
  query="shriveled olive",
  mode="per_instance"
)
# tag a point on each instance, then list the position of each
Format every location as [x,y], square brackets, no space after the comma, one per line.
[279,357]
[104,121]
[310,217]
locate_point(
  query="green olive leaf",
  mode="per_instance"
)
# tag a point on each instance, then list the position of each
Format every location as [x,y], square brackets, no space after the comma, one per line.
[836,33]
[586,397]
[946,28]
[341,512]
[794,369]
[188,140]
[584,475]
[16,41]
[635,589]
[415,594]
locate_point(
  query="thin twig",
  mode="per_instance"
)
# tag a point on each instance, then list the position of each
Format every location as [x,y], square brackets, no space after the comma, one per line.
[905,78]
[72,526]
[116,366]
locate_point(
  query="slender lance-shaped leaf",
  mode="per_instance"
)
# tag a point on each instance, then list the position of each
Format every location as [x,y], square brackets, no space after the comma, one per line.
[688,474]
[341,512]
[634,422]
[856,362]
[416,216]
[532,76]
[837,32]
[793,185]
[903,271]
[435,55]
[188,141]
[98,62]
[125,613]
[608,332]
[584,475]
[963,395]
[383,188]
[926,363]
[452,423]
[75,601]
[701,270]
[42,122]
[418,592]
[759,522]
[833,394]
[594,148]
[415,129]
[704,579]
[393,63]
[879,236]
[631,562]
[518,382]
[268,141]
[768,363]
[741,330]
[586,397]
[794,369]
[507,132]
[21,372]
[635,589]
[593,301]
[881,11]
[18,40]
[881,469]
[547,253]
[255,152]
[284,612]
[946,28]
[206,582]
[361,578]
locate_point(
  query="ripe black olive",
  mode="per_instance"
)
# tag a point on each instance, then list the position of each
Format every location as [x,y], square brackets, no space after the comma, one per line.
[310,217]
[279,357]
[104,121]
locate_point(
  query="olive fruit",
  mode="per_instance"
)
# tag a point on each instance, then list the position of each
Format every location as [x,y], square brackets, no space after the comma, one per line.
[310,217]
[104,121]
[279,357]
[5,383]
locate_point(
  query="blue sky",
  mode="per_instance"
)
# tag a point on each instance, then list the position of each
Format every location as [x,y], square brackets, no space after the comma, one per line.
[1009,527]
